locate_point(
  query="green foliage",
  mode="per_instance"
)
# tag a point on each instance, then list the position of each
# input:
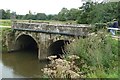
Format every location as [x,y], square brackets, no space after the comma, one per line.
[98,12]
[99,26]
[73,14]
[89,13]
[62,14]
[3,33]
[99,53]
[5,14]
[41,16]
[85,17]
[118,13]
[102,74]
[50,17]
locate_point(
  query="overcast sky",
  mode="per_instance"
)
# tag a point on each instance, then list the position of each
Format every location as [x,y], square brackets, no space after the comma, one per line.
[39,6]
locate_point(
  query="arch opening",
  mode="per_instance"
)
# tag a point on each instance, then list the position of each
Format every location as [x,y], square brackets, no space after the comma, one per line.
[26,43]
[58,48]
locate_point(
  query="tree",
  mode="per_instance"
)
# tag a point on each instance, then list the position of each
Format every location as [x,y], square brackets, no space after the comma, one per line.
[50,17]
[20,16]
[13,15]
[3,14]
[86,9]
[62,14]
[55,17]
[8,14]
[98,12]
[41,16]
[72,14]
[90,12]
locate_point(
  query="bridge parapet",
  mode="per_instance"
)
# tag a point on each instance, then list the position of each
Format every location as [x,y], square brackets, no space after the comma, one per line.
[74,30]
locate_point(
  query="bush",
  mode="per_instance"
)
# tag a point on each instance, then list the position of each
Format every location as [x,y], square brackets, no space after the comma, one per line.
[99,26]
[99,52]
[3,33]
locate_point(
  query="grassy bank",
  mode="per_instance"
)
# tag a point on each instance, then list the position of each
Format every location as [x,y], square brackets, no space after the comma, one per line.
[5,22]
[98,55]
[3,32]
[98,58]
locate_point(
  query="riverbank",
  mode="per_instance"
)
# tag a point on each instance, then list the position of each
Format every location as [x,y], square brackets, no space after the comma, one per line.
[99,52]
[98,58]
[4,30]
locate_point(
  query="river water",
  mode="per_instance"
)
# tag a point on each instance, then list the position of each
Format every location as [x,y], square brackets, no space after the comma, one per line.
[21,64]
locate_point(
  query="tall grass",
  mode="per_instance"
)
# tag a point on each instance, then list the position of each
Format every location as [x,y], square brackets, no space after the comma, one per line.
[99,53]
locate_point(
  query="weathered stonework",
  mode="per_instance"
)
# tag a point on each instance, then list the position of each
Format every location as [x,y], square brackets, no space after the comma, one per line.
[43,34]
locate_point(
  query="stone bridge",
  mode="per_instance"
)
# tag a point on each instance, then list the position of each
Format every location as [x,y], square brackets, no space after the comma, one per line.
[47,39]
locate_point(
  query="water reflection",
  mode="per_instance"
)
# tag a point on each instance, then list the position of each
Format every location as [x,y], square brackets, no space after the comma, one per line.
[22,64]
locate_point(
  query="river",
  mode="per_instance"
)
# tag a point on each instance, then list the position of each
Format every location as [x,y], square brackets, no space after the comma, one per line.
[21,64]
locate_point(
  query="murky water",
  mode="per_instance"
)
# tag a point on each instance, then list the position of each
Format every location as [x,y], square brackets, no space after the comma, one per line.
[21,65]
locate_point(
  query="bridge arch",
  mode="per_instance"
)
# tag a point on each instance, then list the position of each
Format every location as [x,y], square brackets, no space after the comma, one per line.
[58,47]
[18,35]
[26,42]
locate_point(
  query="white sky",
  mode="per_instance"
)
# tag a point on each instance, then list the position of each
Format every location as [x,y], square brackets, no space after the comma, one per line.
[39,6]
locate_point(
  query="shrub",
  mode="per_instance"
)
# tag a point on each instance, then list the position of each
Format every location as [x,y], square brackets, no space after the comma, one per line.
[99,26]
[99,52]
[3,33]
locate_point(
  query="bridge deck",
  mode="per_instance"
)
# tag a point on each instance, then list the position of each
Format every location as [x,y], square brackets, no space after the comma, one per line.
[72,30]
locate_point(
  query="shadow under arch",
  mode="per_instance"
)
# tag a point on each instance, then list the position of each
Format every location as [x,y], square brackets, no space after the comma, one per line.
[26,43]
[58,48]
